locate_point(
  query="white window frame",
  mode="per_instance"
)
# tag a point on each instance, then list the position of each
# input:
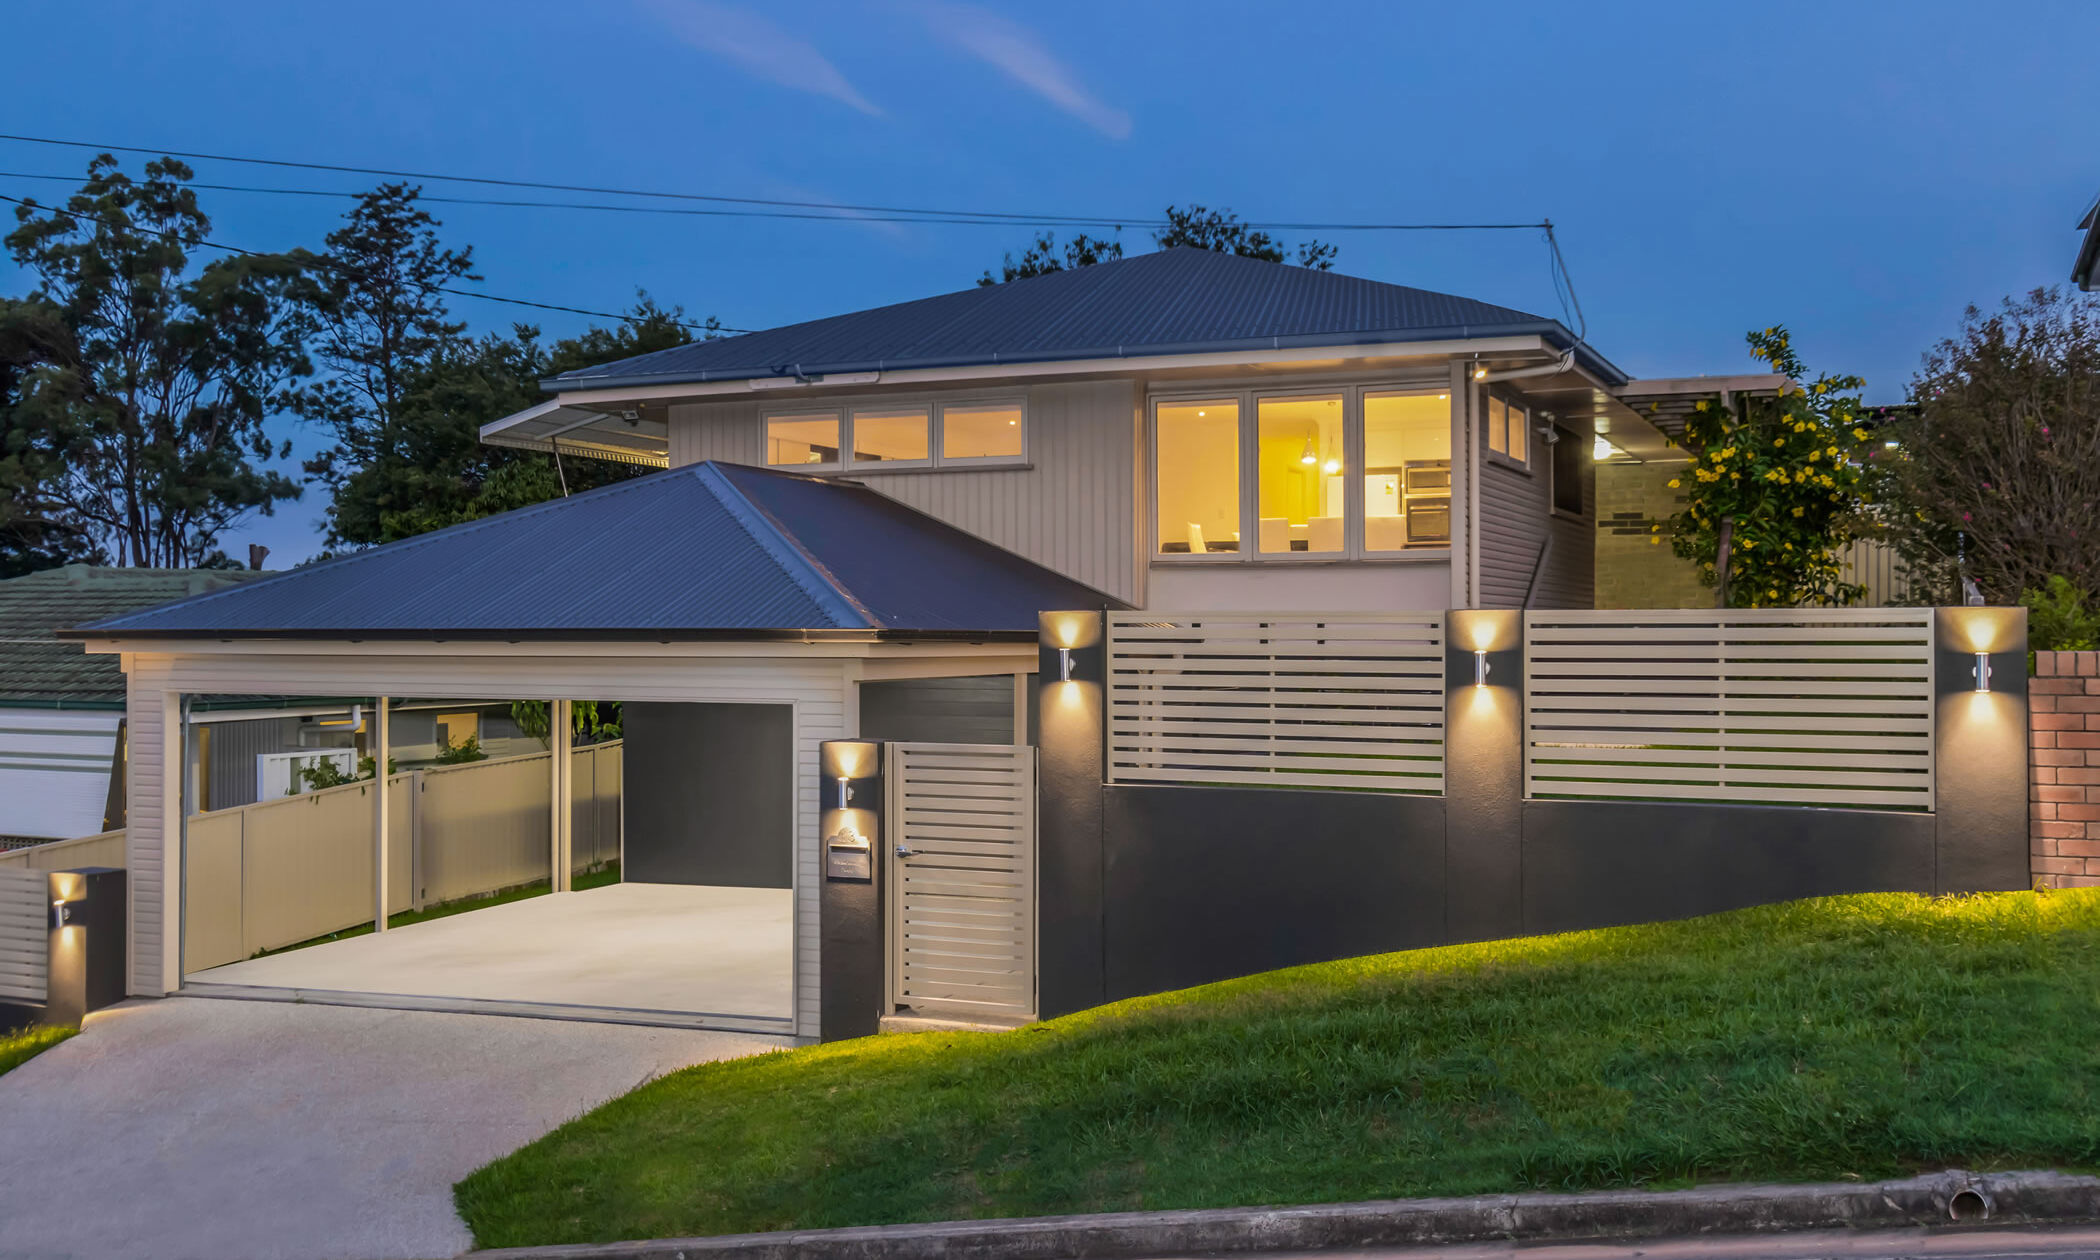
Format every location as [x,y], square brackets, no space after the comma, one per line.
[936,410]
[1249,403]
[1487,435]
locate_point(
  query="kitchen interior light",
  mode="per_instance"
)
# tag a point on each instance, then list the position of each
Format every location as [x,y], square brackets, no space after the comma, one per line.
[1309,458]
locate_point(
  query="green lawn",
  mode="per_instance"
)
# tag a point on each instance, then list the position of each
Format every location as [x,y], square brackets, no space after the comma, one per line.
[600,878]
[17,1048]
[1845,1037]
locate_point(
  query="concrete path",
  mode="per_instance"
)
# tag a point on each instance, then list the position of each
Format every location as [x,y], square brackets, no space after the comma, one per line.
[199,1129]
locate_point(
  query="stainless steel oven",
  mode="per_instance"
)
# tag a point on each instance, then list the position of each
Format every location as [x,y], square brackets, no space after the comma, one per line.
[1428,476]
[1428,521]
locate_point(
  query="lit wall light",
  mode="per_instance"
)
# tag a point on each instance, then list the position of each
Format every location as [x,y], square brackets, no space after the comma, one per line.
[1480,372]
[1983,671]
[845,792]
[1064,664]
[1480,667]
[67,887]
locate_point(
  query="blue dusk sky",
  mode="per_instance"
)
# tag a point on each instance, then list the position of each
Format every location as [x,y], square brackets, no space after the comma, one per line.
[1860,172]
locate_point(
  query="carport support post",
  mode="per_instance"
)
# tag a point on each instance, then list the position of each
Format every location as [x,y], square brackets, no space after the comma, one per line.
[561,819]
[381,753]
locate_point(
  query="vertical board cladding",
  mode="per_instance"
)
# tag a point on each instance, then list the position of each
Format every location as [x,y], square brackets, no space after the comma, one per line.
[1516,517]
[1071,509]
[815,687]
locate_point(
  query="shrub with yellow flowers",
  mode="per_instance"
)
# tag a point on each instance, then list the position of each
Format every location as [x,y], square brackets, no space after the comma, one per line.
[1780,477]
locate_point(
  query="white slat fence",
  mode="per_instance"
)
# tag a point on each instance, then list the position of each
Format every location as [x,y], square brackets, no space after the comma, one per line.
[1804,706]
[25,941]
[1302,700]
[962,892]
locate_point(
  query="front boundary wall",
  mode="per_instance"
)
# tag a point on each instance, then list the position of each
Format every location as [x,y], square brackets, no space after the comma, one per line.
[1153,886]
[2063,772]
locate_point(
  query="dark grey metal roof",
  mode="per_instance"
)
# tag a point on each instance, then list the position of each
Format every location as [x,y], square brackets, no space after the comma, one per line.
[704,551]
[1175,301]
[2085,272]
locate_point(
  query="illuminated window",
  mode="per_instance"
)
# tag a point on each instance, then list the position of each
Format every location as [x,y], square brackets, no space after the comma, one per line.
[803,440]
[982,432]
[1301,474]
[1506,429]
[893,436]
[1407,471]
[1198,477]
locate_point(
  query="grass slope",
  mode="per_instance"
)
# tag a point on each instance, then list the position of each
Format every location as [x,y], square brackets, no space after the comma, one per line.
[17,1048]
[1853,1036]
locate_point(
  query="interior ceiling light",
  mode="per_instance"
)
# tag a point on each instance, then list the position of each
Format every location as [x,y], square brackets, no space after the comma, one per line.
[1332,466]
[1310,457]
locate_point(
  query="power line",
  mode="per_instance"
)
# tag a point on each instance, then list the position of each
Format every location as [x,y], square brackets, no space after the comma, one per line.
[842,211]
[317,260]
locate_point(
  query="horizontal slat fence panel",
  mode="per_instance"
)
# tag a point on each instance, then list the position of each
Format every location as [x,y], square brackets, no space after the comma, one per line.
[963,882]
[1806,706]
[25,940]
[1351,701]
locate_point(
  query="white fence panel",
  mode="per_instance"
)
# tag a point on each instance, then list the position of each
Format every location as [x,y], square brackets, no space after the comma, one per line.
[1297,700]
[962,885]
[1806,706]
[25,940]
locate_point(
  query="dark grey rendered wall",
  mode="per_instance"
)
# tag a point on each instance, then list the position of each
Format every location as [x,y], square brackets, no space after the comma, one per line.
[976,710]
[709,794]
[1144,889]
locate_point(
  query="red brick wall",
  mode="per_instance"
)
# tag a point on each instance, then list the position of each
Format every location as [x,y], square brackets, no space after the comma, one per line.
[2063,769]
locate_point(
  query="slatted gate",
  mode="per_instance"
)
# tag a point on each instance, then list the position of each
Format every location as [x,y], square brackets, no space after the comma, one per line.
[25,941]
[962,880]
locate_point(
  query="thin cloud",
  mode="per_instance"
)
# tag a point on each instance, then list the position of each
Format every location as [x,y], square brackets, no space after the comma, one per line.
[760,46]
[1021,55]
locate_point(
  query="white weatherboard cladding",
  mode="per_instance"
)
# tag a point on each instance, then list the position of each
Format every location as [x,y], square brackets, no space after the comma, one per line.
[816,686]
[54,771]
[1072,509]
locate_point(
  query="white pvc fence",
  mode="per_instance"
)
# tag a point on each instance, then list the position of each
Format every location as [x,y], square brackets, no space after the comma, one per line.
[278,872]
[1313,700]
[1830,707]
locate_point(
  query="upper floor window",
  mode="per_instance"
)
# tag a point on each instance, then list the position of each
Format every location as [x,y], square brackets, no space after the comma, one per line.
[898,437]
[1506,431]
[1358,472]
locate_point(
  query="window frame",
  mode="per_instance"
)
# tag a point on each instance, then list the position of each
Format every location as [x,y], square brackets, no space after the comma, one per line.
[1587,465]
[1487,434]
[842,413]
[1248,400]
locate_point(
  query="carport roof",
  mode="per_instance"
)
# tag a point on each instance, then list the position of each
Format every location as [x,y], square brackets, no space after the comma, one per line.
[708,550]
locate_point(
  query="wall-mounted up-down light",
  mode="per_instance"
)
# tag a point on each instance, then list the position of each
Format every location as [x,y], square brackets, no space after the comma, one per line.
[1480,667]
[1064,664]
[1983,671]
[69,887]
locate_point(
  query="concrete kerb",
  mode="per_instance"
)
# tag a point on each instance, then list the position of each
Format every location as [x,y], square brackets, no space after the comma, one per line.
[1944,1198]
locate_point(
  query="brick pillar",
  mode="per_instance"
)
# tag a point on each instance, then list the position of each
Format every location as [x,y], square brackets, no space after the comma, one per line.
[2063,769]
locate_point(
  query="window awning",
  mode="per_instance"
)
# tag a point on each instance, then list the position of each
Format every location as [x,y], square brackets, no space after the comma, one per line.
[628,437]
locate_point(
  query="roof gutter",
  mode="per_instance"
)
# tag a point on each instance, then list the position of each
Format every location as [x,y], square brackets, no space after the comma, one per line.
[592,635]
[1426,341]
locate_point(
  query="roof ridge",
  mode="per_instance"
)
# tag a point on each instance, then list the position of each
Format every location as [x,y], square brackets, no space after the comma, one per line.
[800,567]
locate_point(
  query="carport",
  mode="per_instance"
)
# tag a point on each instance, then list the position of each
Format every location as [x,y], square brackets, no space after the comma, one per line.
[734,613]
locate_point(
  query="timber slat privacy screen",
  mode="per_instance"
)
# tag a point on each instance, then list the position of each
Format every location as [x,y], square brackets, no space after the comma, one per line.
[1351,701]
[25,941]
[1829,707]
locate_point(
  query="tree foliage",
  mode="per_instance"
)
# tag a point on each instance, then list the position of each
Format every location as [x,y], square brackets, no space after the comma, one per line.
[1998,474]
[137,382]
[378,321]
[1781,480]
[1197,227]
[434,470]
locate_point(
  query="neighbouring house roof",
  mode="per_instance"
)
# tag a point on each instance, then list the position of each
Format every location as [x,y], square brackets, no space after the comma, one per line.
[707,550]
[2085,273]
[39,669]
[1174,301]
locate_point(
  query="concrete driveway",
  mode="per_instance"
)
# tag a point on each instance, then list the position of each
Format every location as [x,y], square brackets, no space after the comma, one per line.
[200,1129]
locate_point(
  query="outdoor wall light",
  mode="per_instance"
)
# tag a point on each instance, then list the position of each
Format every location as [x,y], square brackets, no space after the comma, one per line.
[1480,667]
[1983,671]
[845,791]
[1064,664]
[60,915]
[1480,372]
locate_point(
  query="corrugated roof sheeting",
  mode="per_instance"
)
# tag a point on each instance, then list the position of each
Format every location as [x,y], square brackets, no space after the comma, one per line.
[1173,301]
[706,548]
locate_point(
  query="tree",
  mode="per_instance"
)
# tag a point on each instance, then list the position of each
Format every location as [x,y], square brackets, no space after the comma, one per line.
[378,319]
[1997,476]
[134,410]
[1775,488]
[1198,227]
[436,472]
[1043,257]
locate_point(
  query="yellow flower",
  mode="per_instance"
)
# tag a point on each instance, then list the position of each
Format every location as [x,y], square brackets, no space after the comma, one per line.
[1799,511]
[1655,542]
[1673,483]
[1859,435]
[1820,387]
[1701,406]
[1779,441]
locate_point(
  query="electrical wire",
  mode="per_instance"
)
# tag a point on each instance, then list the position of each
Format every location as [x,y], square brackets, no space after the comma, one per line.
[317,260]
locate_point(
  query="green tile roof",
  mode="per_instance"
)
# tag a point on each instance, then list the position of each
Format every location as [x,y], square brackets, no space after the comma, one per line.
[39,669]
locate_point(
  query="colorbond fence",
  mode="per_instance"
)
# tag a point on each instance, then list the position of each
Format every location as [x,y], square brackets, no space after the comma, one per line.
[275,873]
[1830,707]
[1339,700]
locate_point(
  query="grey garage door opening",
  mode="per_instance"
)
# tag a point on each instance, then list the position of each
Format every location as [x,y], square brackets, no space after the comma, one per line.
[678,902]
